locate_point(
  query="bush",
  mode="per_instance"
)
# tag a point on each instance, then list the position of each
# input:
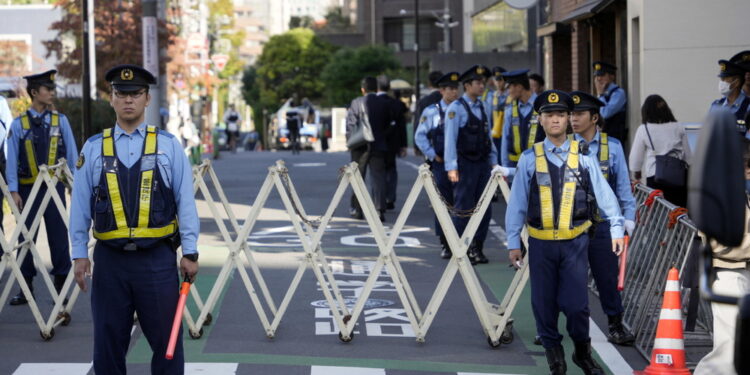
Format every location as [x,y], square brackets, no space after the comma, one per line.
[102,116]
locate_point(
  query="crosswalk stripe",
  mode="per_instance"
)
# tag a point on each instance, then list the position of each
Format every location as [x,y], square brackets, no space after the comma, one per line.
[332,370]
[198,368]
[477,373]
[53,369]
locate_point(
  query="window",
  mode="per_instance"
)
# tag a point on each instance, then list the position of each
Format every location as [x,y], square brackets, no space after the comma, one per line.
[500,28]
[402,33]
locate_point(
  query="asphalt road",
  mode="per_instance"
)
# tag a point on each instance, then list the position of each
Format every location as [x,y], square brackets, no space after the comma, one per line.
[307,340]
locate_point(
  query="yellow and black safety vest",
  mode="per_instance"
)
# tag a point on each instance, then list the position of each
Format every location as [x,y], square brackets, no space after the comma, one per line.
[517,146]
[569,201]
[498,116]
[145,212]
[28,164]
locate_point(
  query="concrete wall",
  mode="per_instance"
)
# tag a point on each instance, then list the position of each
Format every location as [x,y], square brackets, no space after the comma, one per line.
[32,22]
[673,49]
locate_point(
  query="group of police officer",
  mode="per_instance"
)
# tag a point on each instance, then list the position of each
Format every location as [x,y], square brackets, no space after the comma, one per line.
[134,182]
[571,190]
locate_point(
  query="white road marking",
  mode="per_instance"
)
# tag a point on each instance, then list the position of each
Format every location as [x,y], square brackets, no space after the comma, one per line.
[309,164]
[53,368]
[331,370]
[415,166]
[607,352]
[211,368]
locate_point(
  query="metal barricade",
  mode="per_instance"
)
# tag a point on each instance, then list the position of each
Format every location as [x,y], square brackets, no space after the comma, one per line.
[60,313]
[663,239]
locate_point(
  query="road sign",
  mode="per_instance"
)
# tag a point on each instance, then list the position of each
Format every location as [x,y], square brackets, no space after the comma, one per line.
[220,61]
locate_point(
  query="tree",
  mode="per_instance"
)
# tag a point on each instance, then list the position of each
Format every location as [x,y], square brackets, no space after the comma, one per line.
[118,36]
[342,76]
[291,64]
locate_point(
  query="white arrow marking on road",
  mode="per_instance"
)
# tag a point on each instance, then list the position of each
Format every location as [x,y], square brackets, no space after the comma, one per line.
[309,164]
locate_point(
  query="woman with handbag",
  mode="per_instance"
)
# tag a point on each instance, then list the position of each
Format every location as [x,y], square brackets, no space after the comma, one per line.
[661,151]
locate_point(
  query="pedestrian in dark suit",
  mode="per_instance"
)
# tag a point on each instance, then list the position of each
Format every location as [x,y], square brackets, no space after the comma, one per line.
[372,154]
[395,138]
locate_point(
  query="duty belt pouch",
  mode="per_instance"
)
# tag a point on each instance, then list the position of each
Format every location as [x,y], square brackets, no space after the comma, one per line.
[175,240]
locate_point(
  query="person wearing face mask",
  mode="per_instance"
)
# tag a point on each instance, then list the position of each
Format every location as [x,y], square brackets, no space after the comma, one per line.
[731,80]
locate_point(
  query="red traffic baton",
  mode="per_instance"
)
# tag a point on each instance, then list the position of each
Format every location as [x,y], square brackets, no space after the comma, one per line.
[623,263]
[177,323]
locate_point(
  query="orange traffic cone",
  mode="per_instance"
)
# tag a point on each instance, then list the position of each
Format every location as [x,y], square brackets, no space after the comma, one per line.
[668,356]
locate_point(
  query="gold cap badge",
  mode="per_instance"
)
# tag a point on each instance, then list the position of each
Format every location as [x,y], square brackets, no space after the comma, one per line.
[480,70]
[553,98]
[598,67]
[454,77]
[52,77]
[723,67]
[576,99]
[126,75]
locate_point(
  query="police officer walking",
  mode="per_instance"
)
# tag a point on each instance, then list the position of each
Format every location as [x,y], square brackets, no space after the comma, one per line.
[430,138]
[551,193]
[731,81]
[521,122]
[470,155]
[40,136]
[603,262]
[135,183]
[614,112]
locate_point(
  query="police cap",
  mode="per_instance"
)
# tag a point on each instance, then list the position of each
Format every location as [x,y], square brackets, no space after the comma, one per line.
[516,76]
[497,72]
[602,67]
[730,69]
[44,79]
[449,79]
[742,59]
[553,100]
[583,101]
[129,78]
[473,73]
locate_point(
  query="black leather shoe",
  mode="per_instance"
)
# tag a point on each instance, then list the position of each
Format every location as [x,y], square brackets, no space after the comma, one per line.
[617,333]
[356,214]
[582,358]
[20,298]
[382,216]
[390,205]
[472,253]
[446,252]
[479,253]
[537,340]
[556,360]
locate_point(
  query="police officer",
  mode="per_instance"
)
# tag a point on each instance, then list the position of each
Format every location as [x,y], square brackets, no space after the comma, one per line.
[430,138]
[6,118]
[40,136]
[731,80]
[135,183]
[521,125]
[614,111]
[489,90]
[743,59]
[499,99]
[603,262]
[551,194]
[470,155]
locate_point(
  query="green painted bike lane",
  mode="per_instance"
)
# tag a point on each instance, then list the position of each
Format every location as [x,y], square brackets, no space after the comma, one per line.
[495,275]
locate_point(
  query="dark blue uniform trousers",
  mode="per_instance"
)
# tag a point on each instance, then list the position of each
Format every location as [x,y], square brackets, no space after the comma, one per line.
[559,275]
[498,146]
[145,282]
[605,268]
[472,178]
[445,188]
[57,233]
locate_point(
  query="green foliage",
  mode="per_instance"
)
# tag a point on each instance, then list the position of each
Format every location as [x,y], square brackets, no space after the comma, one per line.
[303,21]
[291,64]
[342,76]
[102,116]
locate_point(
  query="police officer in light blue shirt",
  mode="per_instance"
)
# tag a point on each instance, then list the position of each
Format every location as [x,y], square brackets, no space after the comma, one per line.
[38,137]
[430,138]
[731,82]
[470,155]
[134,182]
[520,125]
[614,111]
[603,262]
[551,194]
[6,118]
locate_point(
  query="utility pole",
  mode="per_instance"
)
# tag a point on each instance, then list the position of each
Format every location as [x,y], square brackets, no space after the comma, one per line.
[416,50]
[151,58]
[86,79]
